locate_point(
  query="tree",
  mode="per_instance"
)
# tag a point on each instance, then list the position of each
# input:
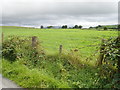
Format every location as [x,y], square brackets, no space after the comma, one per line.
[96,27]
[49,26]
[118,27]
[41,27]
[80,26]
[105,28]
[90,27]
[76,26]
[99,26]
[64,26]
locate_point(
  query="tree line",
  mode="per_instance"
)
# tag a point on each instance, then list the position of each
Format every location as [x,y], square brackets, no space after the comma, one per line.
[105,27]
[64,27]
[99,27]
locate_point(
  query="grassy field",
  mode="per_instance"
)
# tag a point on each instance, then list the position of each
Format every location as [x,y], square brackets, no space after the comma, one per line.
[71,70]
[69,38]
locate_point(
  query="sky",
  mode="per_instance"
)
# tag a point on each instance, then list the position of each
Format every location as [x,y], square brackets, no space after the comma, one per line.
[58,12]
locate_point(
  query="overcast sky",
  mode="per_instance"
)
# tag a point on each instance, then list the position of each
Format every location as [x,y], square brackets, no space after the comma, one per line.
[59,12]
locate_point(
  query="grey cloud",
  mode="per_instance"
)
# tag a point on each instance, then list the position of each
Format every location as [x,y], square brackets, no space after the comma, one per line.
[66,8]
[54,13]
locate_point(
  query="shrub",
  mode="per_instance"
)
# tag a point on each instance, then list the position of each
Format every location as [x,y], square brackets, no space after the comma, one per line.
[112,51]
[108,70]
[105,28]
[17,47]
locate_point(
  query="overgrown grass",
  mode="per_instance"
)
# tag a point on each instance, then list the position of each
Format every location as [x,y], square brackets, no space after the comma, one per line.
[71,69]
[56,71]
[30,78]
[50,75]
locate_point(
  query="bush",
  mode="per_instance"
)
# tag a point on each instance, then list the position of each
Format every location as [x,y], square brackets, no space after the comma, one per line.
[105,28]
[17,47]
[108,70]
[112,51]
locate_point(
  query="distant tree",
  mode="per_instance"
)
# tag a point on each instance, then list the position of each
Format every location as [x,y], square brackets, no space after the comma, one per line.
[80,26]
[64,26]
[90,27]
[99,26]
[105,28]
[49,26]
[41,26]
[76,26]
[118,27]
[96,27]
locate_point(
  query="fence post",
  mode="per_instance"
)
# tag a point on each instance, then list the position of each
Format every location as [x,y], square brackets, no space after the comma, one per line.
[60,49]
[2,37]
[34,41]
[101,57]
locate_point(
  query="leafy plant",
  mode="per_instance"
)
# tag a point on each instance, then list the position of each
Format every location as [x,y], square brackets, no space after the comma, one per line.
[17,47]
[110,68]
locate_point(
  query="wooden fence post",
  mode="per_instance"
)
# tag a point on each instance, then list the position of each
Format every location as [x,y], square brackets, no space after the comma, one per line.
[34,41]
[60,49]
[2,37]
[101,57]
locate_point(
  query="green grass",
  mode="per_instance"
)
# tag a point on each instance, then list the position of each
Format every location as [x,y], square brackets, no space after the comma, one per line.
[30,78]
[69,38]
[53,75]
[56,71]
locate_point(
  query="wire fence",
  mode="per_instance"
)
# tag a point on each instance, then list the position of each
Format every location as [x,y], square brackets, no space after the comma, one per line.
[68,44]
